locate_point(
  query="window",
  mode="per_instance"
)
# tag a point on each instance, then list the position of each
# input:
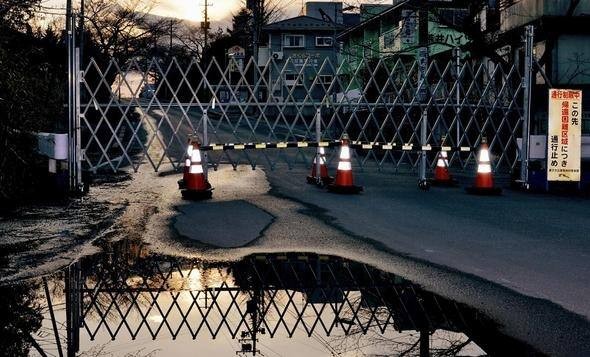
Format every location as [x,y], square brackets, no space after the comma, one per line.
[367,49]
[325,79]
[453,17]
[323,41]
[388,39]
[290,79]
[293,41]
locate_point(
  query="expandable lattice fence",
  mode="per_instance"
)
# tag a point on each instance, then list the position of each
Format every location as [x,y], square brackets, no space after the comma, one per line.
[144,110]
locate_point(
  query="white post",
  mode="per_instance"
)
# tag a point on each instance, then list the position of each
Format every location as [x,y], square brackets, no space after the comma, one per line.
[458,94]
[318,136]
[77,128]
[71,150]
[205,143]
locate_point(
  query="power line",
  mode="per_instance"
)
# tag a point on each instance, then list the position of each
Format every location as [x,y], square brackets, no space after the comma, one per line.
[51,13]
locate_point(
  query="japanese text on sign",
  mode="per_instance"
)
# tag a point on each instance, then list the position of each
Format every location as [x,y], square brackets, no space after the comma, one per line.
[564,139]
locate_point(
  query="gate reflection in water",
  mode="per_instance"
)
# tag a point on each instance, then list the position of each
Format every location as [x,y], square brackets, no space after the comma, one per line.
[300,302]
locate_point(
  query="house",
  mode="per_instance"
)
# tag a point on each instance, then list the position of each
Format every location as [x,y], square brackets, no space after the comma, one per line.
[392,31]
[302,52]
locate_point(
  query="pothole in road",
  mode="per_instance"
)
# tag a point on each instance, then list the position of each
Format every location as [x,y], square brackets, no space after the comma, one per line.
[215,225]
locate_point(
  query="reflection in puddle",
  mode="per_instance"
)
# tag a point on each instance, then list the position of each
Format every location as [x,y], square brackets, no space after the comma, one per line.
[20,317]
[128,301]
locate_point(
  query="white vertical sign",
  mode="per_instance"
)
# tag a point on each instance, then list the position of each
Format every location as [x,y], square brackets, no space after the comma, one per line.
[422,55]
[408,27]
[564,143]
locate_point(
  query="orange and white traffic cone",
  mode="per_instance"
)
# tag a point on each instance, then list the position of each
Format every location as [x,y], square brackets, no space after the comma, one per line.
[442,176]
[324,178]
[187,162]
[343,183]
[484,181]
[196,185]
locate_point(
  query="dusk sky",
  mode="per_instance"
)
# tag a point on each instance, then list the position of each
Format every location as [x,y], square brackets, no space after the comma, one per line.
[219,10]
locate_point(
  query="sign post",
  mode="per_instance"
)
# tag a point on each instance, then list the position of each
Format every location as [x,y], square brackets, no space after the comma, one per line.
[423,90]
[527,86]
[564,139]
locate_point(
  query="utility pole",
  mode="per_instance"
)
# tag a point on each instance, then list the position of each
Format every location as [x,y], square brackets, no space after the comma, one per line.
[82,18]
[205,25]
[170,44]
[258,19]
[249,338]
[68,15]
[68,34]
[257,14]
[335,60]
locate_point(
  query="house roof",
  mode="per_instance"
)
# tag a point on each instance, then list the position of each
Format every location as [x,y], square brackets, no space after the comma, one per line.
[301,23]
[361,25]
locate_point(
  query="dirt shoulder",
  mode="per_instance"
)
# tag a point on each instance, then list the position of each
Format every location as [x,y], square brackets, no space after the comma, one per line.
[38,239]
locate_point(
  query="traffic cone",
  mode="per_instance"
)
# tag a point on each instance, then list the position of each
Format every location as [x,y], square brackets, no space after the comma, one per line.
[442,176]
[344,182]
[325,178]
[196,185]
[484,181]
[187,163]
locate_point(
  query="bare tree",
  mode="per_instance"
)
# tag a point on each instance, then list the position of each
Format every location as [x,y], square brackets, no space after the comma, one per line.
[270,10]
[124,29]
[578,65]
[355,4]
[17,13]
[193,40]
[480,44]
[260,13]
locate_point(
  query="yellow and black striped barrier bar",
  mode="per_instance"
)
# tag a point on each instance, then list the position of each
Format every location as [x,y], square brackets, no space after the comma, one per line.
[333,144]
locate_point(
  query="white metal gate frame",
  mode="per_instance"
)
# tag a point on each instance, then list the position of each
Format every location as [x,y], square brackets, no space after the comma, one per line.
[468,100]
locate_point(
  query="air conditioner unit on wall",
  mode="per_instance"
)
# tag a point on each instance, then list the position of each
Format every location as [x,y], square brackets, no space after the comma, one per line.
[277,55]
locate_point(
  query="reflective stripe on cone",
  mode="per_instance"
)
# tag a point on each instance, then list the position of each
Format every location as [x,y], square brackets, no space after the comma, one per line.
[196,185]
[325,177]
[484,180]
[442,176]
[344,183]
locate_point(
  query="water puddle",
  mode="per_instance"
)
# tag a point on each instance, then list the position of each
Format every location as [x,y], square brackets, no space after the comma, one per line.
[129,301]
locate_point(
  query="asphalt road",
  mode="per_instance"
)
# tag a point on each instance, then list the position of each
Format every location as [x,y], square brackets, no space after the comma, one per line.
[538,245]
[522,259]
[529,244]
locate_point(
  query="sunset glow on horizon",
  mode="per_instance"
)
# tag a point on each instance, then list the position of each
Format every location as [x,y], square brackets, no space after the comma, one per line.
[219,11]
[193,10]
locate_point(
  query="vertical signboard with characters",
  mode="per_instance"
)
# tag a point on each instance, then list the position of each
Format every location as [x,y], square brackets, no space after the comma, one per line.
[236,55]
[564,135]
[422,74]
